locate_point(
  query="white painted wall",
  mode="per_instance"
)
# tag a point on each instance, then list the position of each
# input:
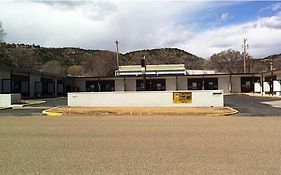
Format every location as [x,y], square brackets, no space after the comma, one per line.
[182,83]
[7,100]
[205,98]
[171,84]
[236,84]
[131,85]
[224,84]
[257,87]
[276,86]
[266,86]
[119,84]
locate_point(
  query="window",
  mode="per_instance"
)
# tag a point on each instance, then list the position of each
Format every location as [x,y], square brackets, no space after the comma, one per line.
[100,86]
[151,85]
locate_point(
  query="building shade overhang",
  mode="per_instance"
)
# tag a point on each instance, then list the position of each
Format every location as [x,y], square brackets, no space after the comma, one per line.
[137,70]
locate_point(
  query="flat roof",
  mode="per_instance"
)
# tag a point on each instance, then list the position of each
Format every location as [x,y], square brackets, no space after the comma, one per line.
[17,70]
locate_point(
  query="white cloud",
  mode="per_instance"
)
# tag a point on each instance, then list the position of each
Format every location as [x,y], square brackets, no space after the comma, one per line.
[225,16]
[96,24]
[264,38]
[137,25]
[276,6]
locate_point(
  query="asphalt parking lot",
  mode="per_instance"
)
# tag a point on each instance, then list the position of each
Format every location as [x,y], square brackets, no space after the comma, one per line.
[36,109]
[140,145]
[253,105]
[246,105]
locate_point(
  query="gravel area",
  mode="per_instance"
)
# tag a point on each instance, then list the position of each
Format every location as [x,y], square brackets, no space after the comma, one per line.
[140,145]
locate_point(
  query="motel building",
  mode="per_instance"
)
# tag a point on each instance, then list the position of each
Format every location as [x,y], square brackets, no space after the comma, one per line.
[30,84]
[169,77]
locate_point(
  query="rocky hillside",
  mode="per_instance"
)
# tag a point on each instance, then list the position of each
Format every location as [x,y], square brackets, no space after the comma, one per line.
[77,61]
[164,56]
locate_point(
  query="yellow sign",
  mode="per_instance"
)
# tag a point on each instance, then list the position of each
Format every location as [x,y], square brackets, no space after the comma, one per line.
[182,97]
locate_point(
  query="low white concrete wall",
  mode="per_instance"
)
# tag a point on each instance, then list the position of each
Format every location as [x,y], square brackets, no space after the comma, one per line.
[266,87]
[205,98]
[257,87]
[277,87]
[7,100]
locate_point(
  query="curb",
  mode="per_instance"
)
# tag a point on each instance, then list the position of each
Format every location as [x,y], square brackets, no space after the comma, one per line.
[52,114]
[235,111]
[3,108]
[58,114]
[34,103]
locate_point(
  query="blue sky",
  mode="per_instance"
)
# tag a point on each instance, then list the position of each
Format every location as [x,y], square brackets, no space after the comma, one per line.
[199,27]
[234,13]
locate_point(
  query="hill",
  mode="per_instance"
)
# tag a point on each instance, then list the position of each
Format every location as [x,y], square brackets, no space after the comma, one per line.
[76,61]
[164,56]
[276,60]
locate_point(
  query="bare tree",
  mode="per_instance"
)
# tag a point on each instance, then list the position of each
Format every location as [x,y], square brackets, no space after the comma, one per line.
[229,61]
[52,66]
[75,70]
[24,58]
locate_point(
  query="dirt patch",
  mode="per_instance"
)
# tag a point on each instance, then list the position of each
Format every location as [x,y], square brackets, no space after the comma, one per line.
[225,111]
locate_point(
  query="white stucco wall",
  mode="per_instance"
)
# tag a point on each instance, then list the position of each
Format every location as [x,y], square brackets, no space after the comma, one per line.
[266,87]
[257,87]
[7,100]
[276,86]
[171,84]
[224,84]
[206,98]
[130,84]
[236,84]
[119,84]
[182,83]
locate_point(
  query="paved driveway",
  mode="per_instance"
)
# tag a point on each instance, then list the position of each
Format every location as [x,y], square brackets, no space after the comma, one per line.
[254,106]
[35,109]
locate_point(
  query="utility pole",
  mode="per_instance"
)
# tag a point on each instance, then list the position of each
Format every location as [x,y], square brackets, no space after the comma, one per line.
[270,61]
[143,70]
[271,76]
[245,54]
[117,55]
